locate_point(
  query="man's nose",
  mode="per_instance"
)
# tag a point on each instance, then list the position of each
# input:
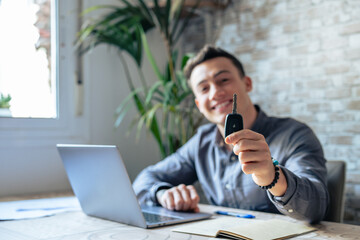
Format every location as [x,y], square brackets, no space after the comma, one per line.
[216,92]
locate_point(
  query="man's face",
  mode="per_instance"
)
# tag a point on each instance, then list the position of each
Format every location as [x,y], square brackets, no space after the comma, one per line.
[214,82]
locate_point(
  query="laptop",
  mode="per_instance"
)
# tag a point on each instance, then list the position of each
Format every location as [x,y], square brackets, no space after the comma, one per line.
[99,179]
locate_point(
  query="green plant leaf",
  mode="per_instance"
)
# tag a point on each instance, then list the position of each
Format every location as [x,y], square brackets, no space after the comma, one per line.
[121,115]
[185,59]
[171,143]
[167,20]
[184,95]
[140,126]
[124,28]
[5,101]
[159,16]
[151,92]
[146,12]
[168,91]
[150,56]
[123,108]
[139,104]
[118,28]
[151,114]
[182,81]
[127,3]
[93,8]
[157,135]
[126,100]
[176,11]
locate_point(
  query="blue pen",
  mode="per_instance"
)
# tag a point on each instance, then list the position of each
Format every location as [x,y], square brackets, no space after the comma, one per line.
[235,214]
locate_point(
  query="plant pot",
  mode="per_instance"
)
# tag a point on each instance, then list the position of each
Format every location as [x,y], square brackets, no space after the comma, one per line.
[5,112]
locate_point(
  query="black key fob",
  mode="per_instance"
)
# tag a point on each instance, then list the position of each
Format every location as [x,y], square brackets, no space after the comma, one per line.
[233,121]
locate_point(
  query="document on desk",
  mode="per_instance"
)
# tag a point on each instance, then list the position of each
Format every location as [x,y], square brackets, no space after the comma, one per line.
[236,228]
[35,208]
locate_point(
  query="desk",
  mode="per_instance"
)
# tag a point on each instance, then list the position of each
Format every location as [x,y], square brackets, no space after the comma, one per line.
[77,226]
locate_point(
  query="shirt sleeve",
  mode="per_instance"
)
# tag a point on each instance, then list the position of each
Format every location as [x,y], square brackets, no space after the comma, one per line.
[303,165]
[178,168]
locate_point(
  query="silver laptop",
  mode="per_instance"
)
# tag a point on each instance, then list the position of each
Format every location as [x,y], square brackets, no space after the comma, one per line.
[99,180]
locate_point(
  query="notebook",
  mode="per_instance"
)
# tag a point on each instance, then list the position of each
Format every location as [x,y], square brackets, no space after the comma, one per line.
[237,228]
[99,179]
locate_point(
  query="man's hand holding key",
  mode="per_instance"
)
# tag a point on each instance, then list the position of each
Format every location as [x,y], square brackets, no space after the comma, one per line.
[252,150]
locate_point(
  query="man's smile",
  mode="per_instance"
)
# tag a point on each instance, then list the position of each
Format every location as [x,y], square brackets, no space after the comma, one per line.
[222,105]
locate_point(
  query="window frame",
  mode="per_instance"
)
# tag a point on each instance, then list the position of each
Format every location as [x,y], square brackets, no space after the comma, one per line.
[68,123]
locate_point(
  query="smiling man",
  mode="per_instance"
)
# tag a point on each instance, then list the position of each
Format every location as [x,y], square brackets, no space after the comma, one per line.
[239,171]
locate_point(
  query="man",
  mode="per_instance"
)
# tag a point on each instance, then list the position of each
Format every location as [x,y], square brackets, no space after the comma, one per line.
[230,170]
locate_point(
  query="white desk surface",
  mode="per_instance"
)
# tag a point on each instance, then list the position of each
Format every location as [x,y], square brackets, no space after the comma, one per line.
[78,226]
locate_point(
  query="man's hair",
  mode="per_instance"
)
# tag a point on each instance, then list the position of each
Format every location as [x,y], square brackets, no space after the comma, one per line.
[209,52]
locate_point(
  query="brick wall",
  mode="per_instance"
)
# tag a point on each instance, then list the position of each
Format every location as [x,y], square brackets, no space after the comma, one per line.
[304,59]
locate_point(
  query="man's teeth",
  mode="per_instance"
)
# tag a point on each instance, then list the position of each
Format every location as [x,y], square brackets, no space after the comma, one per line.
[221,105]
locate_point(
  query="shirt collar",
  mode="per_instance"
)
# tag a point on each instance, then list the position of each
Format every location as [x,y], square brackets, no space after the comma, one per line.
[261,116]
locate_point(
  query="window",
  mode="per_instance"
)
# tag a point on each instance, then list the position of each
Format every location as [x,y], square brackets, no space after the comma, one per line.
[58,110]
[25,59]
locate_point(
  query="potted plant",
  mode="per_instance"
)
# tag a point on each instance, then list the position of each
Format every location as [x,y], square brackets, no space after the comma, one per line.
[165,108]
[5,105]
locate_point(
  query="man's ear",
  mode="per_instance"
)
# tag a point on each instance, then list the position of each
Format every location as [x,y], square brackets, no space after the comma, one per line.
[197,104]
[248,83]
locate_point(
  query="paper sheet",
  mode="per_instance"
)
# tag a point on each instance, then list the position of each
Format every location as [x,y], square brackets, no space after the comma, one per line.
[35,208]
[68,225]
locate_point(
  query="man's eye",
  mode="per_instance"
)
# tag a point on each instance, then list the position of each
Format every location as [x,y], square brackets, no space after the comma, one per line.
[224,80]
[204,89]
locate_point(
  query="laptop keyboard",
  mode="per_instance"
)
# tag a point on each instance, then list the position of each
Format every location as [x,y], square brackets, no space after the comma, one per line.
[155,218]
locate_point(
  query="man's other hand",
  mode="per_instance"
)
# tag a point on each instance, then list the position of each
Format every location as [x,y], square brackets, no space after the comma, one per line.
[179,198]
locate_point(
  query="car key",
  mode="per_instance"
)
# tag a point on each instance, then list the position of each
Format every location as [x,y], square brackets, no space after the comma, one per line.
[234,121]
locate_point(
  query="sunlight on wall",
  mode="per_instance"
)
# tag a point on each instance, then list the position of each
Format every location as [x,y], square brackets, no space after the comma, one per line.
[24,70]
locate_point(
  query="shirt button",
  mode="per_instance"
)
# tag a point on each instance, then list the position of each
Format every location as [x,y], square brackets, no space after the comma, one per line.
[227,186]
[233,158]
[290,210]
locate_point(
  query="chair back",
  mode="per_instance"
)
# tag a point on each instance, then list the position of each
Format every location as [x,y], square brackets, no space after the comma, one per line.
[336,172]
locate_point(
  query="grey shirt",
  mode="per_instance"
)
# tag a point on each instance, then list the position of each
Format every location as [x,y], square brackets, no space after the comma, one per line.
[204,158]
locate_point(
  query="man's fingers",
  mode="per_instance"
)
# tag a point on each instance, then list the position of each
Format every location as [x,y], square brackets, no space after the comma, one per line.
[246,157]
[250,168]
[185,196]
[168,200]
[194,198]
[178,199]
[196,209]
[193,194]
[243,134]
[246,145]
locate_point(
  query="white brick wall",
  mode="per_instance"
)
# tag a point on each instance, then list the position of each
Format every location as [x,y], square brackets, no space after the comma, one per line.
[304,59]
